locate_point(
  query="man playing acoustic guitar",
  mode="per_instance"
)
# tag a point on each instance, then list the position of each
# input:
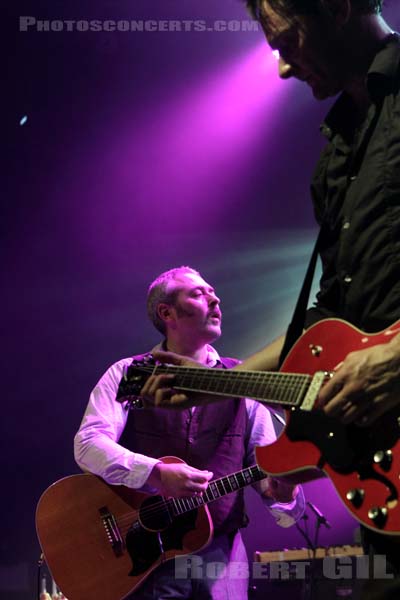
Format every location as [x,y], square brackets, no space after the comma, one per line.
[124,446]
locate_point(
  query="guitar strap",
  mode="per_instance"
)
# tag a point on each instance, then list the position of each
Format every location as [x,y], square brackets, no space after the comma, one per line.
[296,326]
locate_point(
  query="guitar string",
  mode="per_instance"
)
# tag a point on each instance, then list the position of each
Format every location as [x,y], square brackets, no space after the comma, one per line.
[199,500]
[170,502]
[224,375]
[125,522]
[227,374]
[290,382]
[161,369]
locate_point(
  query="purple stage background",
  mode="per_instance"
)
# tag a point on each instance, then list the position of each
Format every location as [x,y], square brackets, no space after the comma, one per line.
[141,151]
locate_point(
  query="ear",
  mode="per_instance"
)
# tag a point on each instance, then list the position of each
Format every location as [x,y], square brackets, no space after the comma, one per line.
[165,312]
[337,10]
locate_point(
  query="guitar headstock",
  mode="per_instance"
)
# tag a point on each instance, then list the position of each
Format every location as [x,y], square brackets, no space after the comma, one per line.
[133,379]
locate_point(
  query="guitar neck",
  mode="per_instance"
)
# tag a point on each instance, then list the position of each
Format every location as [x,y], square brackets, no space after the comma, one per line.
[286,389]
[218,488]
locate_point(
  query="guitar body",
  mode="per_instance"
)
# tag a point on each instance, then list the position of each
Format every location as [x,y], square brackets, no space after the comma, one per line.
[77,519]
[312,441]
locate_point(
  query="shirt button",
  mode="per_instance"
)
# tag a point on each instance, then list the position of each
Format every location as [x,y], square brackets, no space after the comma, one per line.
[190,440]
[353,178]
[346,225]
[347,279]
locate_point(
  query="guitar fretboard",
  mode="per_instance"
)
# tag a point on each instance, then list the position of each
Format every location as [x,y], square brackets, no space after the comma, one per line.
[218,488]
[287,389]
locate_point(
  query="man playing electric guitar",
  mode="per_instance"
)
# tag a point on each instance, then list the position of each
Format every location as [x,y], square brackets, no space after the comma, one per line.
[346,48]
[123,446]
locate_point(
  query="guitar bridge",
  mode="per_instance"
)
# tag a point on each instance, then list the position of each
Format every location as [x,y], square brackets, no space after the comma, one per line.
[112,531]
[313,390]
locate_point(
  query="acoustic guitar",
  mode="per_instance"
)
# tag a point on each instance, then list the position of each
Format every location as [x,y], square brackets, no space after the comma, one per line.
[102,541]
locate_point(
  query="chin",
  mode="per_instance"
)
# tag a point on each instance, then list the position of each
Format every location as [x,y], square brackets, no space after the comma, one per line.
[214,334]
[321,93]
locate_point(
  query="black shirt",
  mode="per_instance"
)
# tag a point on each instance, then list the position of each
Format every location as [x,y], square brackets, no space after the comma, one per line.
[356,195]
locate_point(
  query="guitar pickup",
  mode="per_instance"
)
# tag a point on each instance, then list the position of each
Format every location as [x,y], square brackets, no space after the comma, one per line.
[313,390]
[112,531]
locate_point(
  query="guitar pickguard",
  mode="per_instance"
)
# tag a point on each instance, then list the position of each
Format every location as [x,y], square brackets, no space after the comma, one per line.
[345,448]
[154,533]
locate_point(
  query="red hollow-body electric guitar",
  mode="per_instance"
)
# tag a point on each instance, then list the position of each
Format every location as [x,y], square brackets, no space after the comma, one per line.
[363,463]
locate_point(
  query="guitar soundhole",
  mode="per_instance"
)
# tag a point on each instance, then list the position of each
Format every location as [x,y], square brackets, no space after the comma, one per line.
[154,514]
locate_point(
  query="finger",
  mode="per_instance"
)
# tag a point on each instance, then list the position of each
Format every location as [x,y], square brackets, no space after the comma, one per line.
[162,397]
[159,381]
[281,490]
[201,476]
[199,488]
[354,412]
[335,406]
[154,382]
[375,410]
[161,384]
[275,481]
[354,405]
[189,488]
[166,398]
[145,389]
[330,390]
[350,393]
[178,400]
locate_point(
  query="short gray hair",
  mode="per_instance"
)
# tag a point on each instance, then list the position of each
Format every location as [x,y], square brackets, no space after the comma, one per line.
[158,294]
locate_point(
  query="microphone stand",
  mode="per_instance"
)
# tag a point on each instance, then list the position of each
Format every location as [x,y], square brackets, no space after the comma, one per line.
[304,533]
[320,520]
[308,583]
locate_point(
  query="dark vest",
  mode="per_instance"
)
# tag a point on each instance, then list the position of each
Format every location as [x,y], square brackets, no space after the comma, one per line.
[213,438]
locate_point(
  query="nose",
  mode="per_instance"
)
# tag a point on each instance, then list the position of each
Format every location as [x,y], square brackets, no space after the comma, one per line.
[213,300]
[285,69]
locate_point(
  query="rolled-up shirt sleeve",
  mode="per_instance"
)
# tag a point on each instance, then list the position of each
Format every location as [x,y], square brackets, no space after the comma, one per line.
[261,432]
[96,446]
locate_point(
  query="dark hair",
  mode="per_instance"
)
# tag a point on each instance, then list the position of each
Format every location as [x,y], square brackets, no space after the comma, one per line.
[158,294]
[307,7]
